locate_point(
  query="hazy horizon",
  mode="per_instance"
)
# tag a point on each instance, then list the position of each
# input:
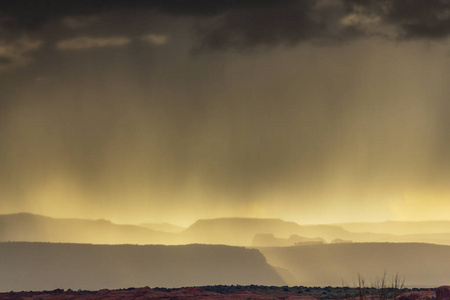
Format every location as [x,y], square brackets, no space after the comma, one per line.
[229,217]
[314,111]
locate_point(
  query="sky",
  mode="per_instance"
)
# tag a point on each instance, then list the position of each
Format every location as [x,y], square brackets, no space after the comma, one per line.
[313,111]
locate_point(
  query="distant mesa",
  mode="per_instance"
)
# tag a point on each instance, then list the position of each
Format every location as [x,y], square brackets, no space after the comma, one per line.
[299,241]
[242,231]
[36,228]
[249,232]
[269,240]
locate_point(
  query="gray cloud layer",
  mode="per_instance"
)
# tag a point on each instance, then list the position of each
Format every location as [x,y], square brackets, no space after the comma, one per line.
[292,22]
[241,24]
[17,53]
[85,42]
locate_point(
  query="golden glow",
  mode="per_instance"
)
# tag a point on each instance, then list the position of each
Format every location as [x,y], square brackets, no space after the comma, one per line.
[309,134]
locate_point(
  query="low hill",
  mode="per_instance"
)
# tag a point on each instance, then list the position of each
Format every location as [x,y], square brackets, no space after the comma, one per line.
[399,227]
[329,264]
[30,227]
[47,266]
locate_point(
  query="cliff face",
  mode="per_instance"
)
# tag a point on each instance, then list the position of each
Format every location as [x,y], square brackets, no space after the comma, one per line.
[46,266]
[330,264]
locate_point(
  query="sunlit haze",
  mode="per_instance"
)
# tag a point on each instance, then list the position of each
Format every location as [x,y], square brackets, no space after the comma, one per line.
[311,111]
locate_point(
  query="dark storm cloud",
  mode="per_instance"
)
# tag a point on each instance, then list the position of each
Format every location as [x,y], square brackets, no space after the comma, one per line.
[285,23]
[292,22]
[246,24]
[16,53]
[412,18]
[30,14]
[5,60]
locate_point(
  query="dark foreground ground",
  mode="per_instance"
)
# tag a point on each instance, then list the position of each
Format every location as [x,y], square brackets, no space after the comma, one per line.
[241,292]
